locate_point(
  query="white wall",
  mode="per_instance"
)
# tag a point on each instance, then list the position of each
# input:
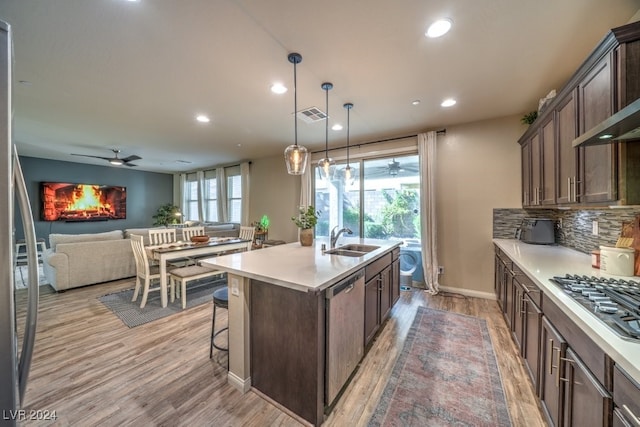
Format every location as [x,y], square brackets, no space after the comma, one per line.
[478,169]
[275,193]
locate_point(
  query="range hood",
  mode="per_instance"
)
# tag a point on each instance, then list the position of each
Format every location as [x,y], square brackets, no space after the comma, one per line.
[623,125]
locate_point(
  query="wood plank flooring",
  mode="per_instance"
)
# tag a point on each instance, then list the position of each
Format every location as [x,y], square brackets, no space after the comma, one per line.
[93,370]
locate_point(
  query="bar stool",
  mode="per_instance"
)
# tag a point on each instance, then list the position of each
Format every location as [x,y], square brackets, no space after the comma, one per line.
[220,299]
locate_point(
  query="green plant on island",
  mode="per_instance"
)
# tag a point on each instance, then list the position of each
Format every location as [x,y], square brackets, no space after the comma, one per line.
[307,217]
[167,214]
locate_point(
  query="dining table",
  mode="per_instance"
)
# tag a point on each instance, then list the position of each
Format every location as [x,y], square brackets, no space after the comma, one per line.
[166,252]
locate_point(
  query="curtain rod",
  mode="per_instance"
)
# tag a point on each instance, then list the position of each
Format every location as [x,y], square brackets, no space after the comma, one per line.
[441,131]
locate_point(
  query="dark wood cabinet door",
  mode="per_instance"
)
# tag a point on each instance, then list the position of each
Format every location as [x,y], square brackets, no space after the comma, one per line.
[395,281]
[536,169]
[508,296]
[597,163]
[526,174]
[531,340]
[566,154]
[587,403]
[552,350]
[371,313]
[547,193]
[385,294]
[497,285]
[518,313]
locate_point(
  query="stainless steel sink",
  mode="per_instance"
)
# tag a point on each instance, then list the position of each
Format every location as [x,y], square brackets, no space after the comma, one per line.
[359,248]
[345,252]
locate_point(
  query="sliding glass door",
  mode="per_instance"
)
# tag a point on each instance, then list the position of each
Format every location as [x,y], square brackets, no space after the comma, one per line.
[383,202]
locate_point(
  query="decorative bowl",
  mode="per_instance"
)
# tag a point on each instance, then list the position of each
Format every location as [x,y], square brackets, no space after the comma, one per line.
[200,239]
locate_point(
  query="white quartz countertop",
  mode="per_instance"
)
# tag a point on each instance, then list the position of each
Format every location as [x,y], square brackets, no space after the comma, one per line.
[304,268]
[541,262]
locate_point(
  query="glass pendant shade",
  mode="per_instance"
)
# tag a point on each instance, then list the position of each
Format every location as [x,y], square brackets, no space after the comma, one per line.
[326,164]
[325,167]
[295,156]
[348,177]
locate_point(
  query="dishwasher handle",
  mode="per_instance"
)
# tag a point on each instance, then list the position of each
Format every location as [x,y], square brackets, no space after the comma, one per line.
[345,285]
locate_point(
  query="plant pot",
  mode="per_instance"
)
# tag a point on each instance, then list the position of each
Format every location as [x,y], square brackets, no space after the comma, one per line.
[306,236]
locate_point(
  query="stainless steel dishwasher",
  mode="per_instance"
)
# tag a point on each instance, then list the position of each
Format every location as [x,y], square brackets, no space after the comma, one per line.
[345,332]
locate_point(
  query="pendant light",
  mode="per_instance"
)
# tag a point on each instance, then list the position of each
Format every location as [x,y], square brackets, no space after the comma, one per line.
[295,156]
[348,172]
[326,163]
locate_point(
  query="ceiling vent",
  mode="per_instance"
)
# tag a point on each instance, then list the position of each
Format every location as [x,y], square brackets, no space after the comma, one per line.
[311,115]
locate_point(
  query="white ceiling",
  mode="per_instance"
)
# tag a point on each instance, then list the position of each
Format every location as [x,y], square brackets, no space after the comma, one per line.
[109,74]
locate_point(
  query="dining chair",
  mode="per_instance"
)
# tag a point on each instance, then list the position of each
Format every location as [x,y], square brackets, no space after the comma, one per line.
[162,235]
[247,233]
[145,273]
[187,232]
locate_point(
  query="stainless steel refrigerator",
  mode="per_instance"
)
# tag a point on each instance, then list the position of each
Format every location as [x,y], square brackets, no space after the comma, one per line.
[15,360]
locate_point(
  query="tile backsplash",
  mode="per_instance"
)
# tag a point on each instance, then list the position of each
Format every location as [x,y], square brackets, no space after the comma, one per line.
[576,225]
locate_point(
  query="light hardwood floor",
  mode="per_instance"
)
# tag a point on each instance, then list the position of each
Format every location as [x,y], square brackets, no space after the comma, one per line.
[93,370]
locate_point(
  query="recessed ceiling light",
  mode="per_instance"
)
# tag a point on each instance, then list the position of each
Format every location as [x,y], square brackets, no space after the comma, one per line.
[448,102]
[416,102]
[278,88]
[439,28]
[202,118]
[337,126]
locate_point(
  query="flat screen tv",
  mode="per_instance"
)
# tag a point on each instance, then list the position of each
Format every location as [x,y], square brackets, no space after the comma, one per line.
[63,201]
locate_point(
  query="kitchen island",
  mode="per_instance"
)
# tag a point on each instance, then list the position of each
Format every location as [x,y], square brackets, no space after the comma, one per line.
[278,323]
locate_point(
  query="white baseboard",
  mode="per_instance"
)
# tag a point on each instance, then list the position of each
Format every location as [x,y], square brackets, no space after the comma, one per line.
[469,292]
[238,383]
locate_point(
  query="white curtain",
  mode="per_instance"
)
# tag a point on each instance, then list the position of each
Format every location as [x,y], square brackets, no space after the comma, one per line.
[221,183]
[200,178]
[428,220]
[244,179]
[306,196]
[181,196]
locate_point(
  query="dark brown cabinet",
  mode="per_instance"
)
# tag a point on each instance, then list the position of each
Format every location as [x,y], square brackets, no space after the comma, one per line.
[552,350]
[527,199]
[626,398]
[566,155]
[378,295]
[586,402]
[531,341]
[597,163]
[395,280]
[556,173]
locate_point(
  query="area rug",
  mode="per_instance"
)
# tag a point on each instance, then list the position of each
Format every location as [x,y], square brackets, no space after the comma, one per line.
[446,375]
[132,315]
[21,276]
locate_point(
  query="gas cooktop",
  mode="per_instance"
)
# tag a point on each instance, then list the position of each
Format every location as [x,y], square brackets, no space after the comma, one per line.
[615,302]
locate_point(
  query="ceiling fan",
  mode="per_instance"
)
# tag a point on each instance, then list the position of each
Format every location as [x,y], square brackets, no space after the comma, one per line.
[114,160]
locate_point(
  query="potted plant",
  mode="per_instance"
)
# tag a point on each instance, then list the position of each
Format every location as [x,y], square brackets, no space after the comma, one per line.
[307,219]
[167,214]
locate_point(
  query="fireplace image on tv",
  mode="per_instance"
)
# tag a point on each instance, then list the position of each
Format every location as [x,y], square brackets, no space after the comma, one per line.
[63,201]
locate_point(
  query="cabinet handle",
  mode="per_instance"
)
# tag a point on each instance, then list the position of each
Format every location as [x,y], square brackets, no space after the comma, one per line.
[575,189]
[569,188]
[566,379]
[550,357]
[525,199]
[634,418]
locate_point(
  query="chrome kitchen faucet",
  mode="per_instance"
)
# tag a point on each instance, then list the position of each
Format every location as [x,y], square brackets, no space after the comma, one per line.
[335,236]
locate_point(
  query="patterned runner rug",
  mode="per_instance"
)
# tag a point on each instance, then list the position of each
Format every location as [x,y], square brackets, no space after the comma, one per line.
[132,315]
[446,375]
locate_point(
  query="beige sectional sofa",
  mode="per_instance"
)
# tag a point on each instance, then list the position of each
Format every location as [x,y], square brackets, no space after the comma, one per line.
[74,260]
